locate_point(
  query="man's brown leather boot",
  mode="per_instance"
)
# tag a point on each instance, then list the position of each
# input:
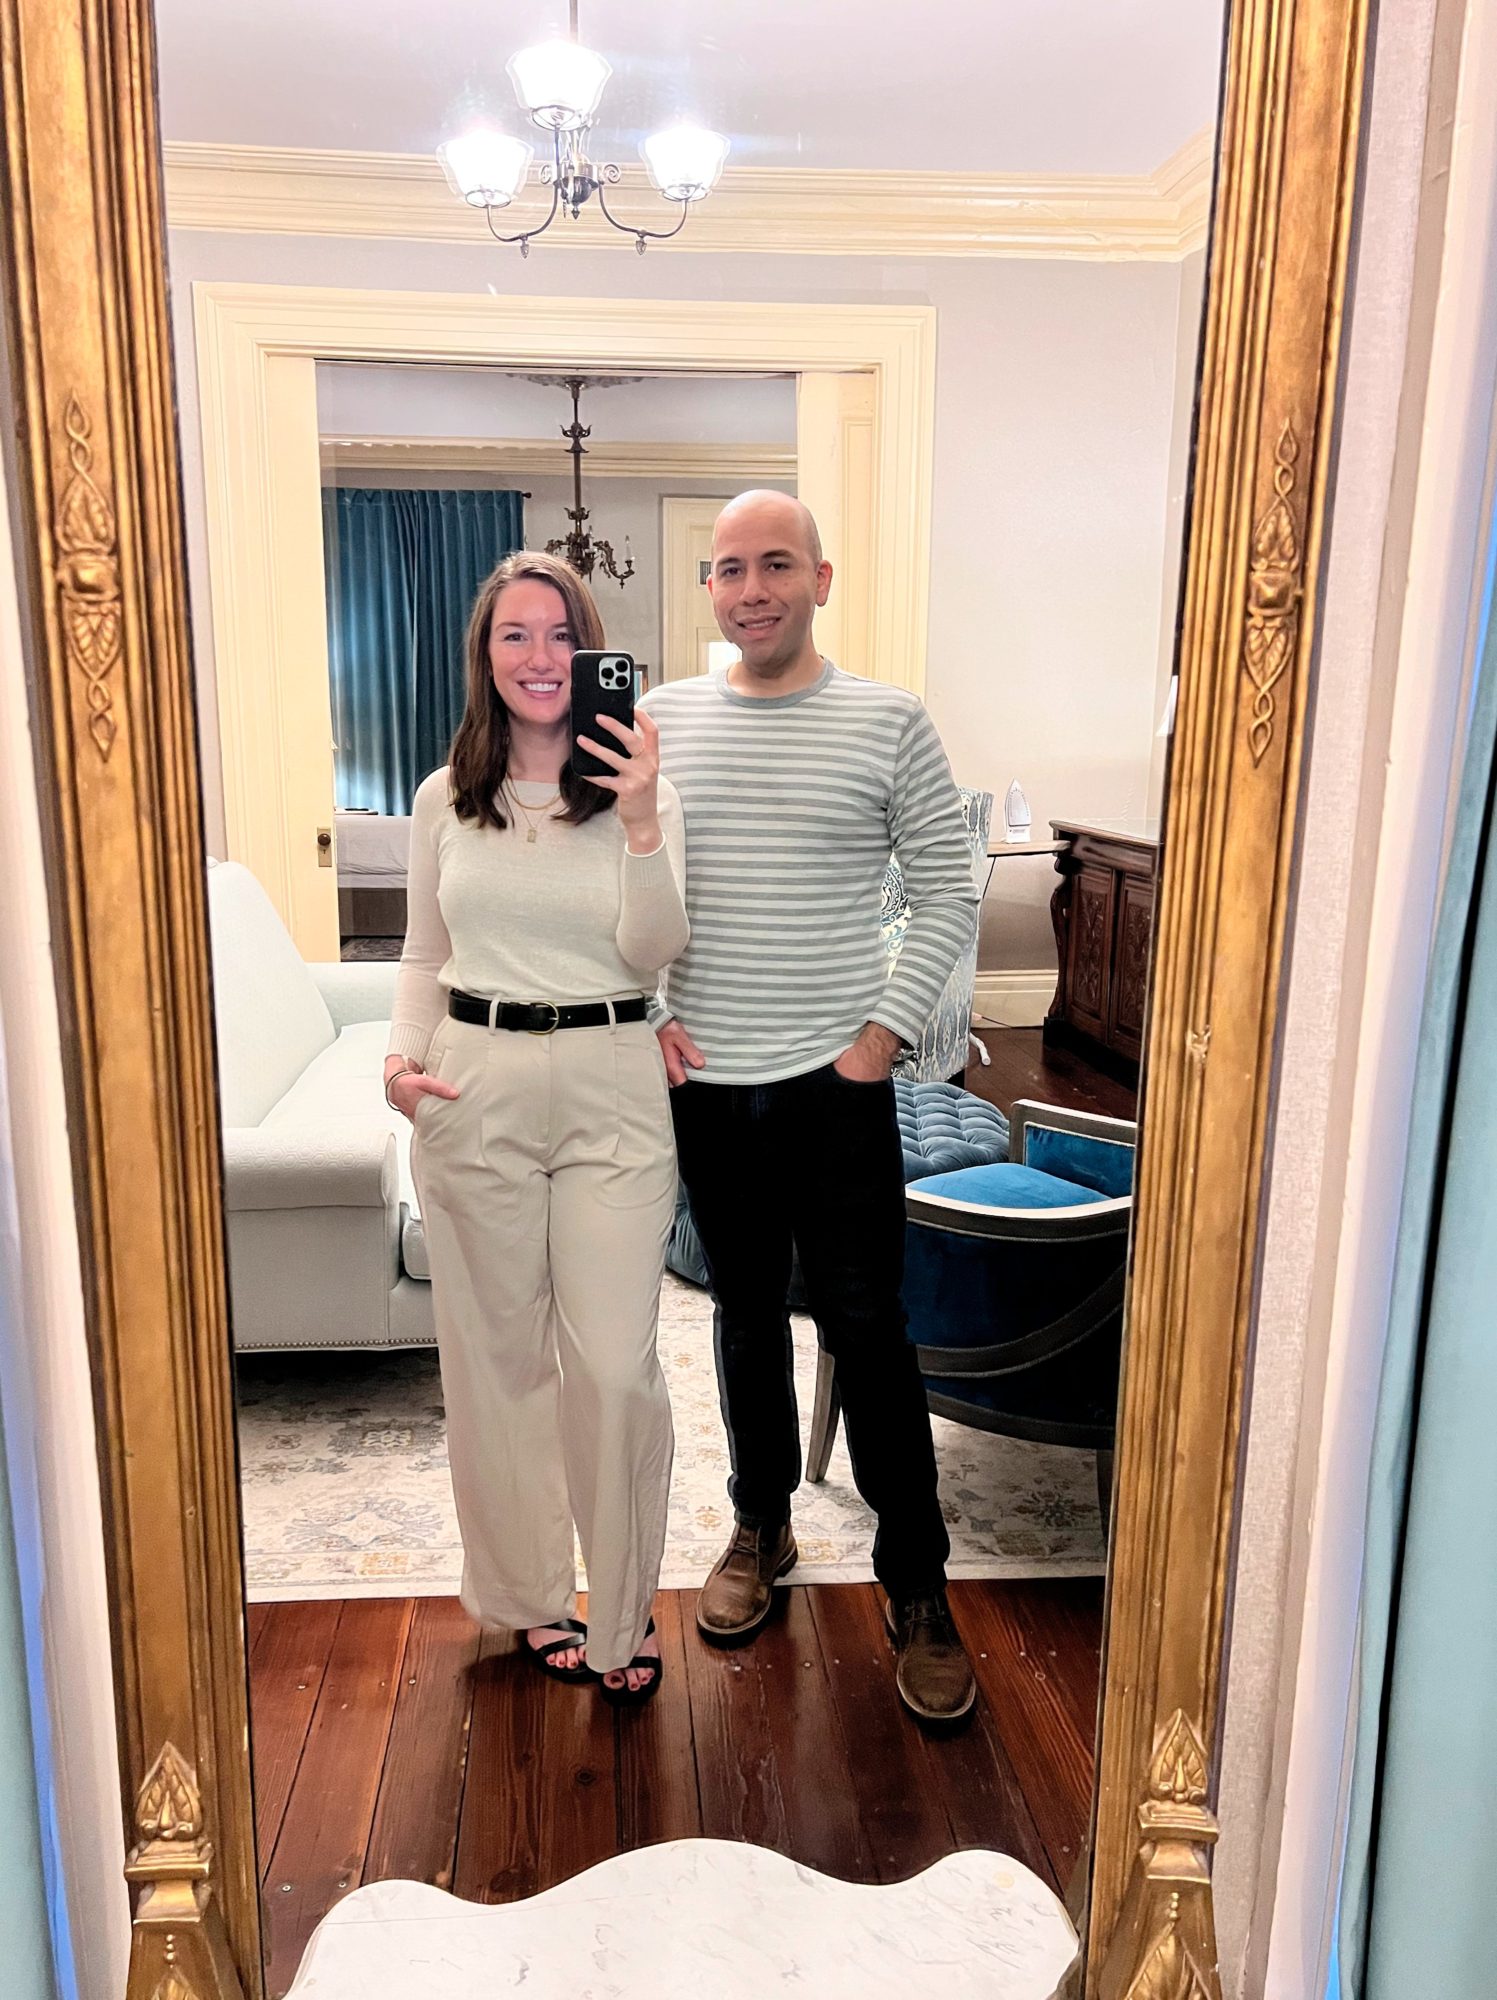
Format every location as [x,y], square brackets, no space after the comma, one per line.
[932,1672]
[735,1600]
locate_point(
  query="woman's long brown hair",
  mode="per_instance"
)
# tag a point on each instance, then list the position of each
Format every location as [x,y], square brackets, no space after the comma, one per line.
[479,757]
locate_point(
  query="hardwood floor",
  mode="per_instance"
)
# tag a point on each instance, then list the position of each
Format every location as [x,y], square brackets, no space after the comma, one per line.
[391,1738]
[1021,1066]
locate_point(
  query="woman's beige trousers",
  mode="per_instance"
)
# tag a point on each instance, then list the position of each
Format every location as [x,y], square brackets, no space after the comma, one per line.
[547,1189]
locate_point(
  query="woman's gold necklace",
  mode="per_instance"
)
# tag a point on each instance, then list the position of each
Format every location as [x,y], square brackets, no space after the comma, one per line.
[532,814]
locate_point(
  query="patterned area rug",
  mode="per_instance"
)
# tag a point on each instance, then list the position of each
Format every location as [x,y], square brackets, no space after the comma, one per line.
[346,1492]
[361,949]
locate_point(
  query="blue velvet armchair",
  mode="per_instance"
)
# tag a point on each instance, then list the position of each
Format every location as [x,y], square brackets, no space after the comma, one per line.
[1014,1280]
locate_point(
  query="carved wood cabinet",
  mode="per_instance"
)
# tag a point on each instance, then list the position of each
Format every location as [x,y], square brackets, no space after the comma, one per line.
[1103,912]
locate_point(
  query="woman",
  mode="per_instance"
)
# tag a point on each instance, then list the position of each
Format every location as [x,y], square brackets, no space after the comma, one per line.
[541,907]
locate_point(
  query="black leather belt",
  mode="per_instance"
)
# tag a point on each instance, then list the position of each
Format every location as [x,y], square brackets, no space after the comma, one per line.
[541,1017]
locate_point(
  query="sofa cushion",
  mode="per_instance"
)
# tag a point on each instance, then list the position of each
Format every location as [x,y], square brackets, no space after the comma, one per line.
[269,1018]
[346,1082]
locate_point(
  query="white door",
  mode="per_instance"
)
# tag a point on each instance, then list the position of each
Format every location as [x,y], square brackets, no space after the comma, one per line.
[834,475]
[690,641]
[286,836]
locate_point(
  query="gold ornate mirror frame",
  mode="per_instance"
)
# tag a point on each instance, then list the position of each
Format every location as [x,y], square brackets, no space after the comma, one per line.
[94,471]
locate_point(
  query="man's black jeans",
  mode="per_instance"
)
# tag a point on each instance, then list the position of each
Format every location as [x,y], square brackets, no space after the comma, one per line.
[813,1162]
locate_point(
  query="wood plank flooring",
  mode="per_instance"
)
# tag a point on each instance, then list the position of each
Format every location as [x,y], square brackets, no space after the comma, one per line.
[392,1739]
[1020,1065]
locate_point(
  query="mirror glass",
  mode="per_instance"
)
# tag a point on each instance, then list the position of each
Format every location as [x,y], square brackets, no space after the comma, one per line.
[890,902]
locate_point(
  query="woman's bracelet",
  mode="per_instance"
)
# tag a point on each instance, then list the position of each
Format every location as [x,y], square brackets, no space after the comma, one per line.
[394,1077]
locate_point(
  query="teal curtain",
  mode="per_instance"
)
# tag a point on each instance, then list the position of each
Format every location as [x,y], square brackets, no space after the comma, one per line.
[402,571]
[1418,1911]
[35,1933]
[30,1973]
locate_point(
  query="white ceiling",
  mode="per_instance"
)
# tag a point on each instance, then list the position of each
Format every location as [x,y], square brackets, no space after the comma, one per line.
[363,400]
[968,86]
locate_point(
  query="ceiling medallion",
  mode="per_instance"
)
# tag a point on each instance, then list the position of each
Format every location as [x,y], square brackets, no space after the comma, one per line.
[560,85]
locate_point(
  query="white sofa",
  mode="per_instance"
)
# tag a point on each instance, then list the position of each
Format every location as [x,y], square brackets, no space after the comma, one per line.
[324,1231]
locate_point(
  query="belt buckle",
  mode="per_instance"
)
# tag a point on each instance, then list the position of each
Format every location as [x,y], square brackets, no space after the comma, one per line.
[553,1024]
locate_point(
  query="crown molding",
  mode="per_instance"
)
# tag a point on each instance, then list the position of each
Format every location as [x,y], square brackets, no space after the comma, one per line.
[285,191]
[540,458]
[1186,179]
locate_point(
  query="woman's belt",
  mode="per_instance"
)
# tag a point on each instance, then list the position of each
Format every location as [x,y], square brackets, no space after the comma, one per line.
[542,1017]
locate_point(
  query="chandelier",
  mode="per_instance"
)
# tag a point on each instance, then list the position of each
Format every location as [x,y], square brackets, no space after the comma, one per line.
[579,548]
[559,85]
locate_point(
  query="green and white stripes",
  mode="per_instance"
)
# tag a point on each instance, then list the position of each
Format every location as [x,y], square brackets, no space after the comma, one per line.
[793,804]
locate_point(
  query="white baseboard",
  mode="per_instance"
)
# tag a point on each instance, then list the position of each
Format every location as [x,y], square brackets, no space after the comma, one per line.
[1015,999]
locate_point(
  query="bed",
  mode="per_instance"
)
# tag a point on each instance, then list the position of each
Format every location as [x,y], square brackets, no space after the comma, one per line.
[373,851]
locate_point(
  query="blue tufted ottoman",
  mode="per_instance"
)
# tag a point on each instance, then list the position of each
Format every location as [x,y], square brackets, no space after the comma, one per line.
[941,1128]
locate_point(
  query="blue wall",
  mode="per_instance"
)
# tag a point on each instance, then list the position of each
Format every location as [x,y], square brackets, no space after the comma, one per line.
[24,1932]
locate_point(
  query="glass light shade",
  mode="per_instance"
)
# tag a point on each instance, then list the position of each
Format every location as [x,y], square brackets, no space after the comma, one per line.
[486,168]
[560,84]
[685,162]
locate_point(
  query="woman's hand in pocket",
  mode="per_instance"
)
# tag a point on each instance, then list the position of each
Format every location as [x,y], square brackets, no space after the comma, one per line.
[411,1085]
[635,758]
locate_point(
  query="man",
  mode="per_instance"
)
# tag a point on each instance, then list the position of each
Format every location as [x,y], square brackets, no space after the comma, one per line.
[783,1022]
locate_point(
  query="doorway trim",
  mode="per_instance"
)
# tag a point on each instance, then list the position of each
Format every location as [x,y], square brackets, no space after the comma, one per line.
[257,351]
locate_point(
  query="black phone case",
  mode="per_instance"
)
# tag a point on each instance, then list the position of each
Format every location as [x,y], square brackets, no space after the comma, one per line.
[602,684]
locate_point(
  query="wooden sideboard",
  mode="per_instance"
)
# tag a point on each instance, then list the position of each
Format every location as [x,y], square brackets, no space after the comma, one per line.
[1103,912]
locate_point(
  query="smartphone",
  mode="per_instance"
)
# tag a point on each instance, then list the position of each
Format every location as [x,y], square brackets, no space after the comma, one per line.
[602,684]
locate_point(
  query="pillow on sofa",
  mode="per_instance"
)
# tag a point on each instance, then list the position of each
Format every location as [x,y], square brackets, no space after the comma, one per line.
[269,1017]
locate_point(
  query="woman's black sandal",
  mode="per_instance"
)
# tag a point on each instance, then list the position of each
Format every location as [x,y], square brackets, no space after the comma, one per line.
[626,1696]
[541,1657]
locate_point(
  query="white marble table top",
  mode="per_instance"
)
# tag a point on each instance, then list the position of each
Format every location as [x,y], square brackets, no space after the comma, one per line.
[712,1918]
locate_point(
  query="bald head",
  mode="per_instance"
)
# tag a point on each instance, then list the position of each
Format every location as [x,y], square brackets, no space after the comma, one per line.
[768,579]
[766,513]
